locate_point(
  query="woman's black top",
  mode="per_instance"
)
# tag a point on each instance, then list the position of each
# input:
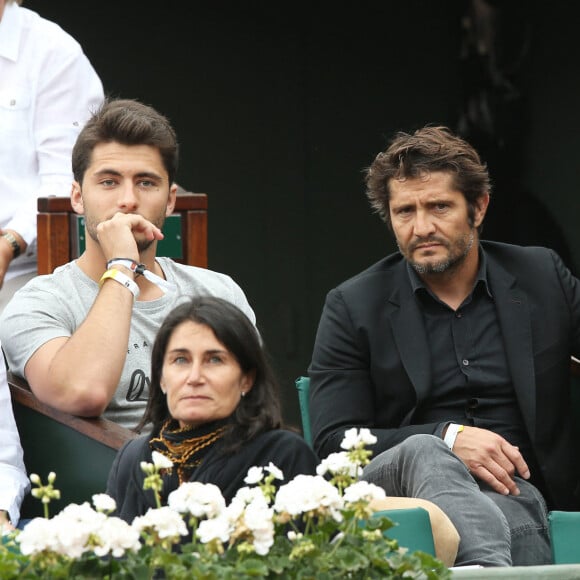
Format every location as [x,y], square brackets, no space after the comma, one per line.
[285,449]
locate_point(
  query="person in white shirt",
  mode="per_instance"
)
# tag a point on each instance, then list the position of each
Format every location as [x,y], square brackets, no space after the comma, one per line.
[48,89]
[14,482]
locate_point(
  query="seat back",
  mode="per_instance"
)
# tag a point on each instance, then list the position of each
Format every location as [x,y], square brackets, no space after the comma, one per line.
[303,386]
[60,232]
[565,536]
[411,529]
[79,450]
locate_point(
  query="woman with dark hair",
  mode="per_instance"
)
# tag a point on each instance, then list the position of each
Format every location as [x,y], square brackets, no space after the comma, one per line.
[213,407]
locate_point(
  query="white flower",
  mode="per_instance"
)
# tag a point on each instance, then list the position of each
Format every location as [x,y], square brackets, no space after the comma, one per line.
[309,493]
[214,529]
[164,521]
[247,495]
[104,503]
[277,473]
[251,518]
[78,529]
[37,537]
[258,519]
[367,438]
[160,461]
[73,528]
[339,463]
[255,475]
[115,537]
[244,497]
[69,533]
[354,438]
[202,500]
[363,491]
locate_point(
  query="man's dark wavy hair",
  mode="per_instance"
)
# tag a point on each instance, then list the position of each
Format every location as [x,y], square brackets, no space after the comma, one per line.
[432,148]
[128,122]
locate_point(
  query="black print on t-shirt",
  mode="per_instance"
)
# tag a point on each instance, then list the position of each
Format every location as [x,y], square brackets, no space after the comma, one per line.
[138,386]
[137,346]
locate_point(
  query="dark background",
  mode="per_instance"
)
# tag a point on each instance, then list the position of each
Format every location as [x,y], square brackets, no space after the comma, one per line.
[280,106]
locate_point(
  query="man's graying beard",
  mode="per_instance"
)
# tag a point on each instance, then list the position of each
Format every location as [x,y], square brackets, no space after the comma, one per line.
[464,246]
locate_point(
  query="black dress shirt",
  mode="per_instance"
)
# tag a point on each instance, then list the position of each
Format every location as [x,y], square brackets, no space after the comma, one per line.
[471,382]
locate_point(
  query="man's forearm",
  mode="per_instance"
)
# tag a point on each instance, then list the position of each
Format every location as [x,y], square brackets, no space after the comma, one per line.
[85,369]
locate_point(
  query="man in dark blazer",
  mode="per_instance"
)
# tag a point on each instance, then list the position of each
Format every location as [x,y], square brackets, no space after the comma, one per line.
[456,354]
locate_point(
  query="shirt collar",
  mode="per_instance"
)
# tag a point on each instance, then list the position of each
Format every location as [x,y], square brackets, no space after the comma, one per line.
[10,31]
[417,283]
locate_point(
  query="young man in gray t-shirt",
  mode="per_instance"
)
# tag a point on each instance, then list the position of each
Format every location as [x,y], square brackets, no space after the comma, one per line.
[82,335]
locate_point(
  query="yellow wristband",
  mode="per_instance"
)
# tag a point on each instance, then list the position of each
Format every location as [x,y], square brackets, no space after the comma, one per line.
[118,276]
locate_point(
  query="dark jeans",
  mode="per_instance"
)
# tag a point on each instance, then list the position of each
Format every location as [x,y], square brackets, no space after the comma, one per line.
[495,530]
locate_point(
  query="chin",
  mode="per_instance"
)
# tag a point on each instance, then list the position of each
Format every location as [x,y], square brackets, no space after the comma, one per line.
[189,423]
[431,267]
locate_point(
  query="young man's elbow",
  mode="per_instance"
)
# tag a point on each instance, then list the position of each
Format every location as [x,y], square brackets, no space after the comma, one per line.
[89,402]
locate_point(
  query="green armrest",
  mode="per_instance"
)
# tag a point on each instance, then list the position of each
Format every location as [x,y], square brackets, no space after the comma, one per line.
[565,536]
[412,529]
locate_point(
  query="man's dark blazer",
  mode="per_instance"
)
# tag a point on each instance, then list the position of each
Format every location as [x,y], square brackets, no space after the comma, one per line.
[371,364]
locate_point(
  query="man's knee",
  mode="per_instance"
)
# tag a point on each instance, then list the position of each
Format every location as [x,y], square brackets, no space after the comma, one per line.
[421,444]
[416,457]
[526,511]
[527,517]
[423,450]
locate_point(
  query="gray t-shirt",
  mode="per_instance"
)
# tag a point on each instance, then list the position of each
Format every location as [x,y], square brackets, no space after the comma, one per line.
[55,305]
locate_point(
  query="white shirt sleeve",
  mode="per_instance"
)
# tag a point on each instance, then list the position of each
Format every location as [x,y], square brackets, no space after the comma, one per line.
[48,89]
[14,483]
[63,103]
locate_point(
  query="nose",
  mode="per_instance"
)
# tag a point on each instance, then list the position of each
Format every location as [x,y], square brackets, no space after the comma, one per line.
[195,375]
[127,200]
[423,226]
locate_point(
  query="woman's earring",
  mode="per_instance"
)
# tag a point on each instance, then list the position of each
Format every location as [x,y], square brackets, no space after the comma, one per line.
[243,393]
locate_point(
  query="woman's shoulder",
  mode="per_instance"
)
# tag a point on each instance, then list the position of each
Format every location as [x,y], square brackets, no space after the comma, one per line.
[284,448]
[126,464]
[283,435]
[137,448]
